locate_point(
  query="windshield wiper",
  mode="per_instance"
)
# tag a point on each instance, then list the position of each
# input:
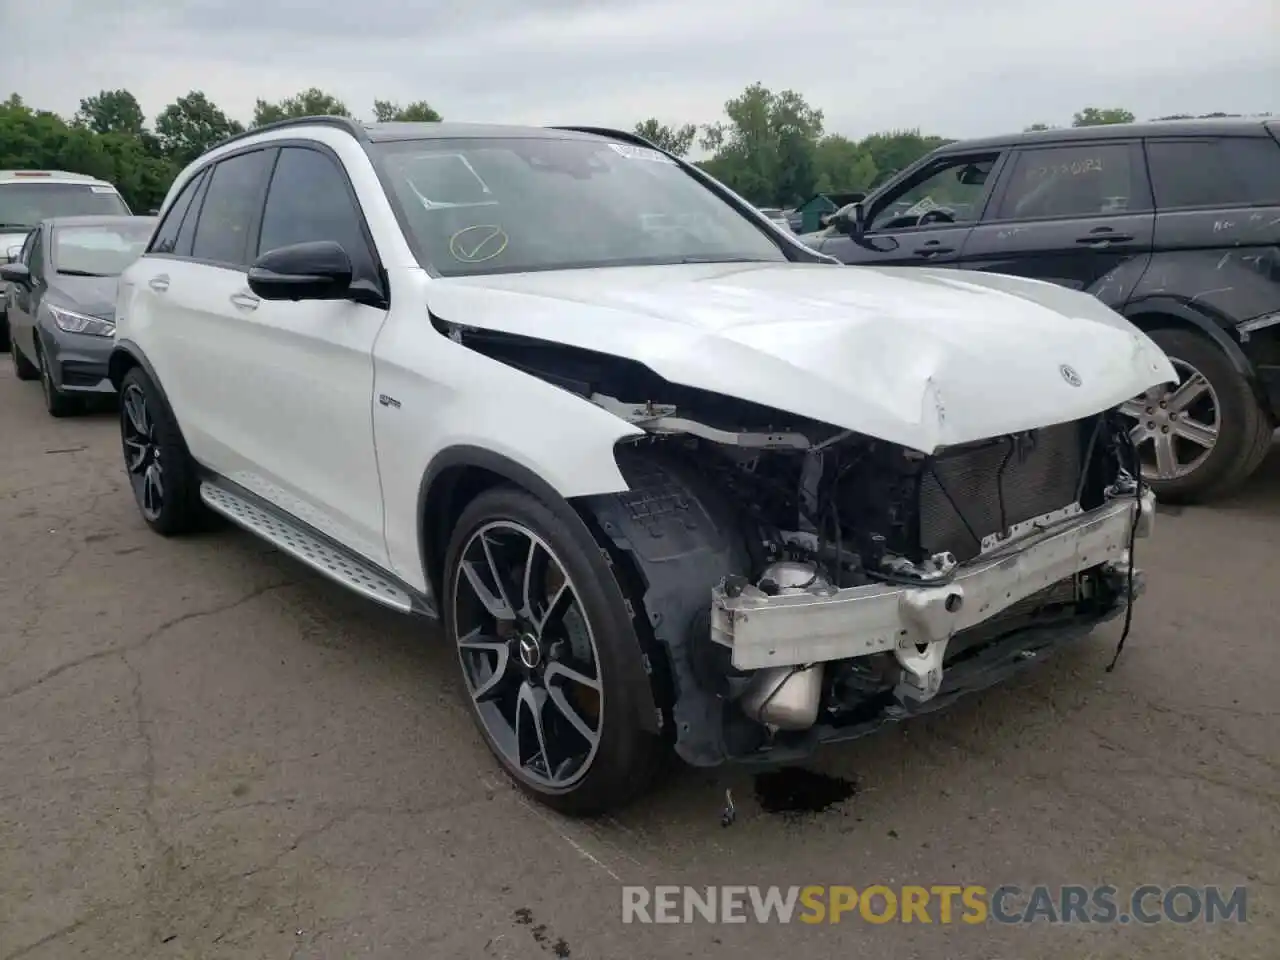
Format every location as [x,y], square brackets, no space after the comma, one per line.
[15,226]
[81,273]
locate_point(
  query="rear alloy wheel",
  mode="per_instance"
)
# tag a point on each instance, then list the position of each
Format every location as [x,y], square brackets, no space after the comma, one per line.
[541,655]
[1205,434]
[161,472]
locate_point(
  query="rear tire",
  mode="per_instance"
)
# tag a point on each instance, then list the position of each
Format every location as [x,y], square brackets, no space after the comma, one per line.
[526,654]
[1243,427]
[165,482]
[23,368]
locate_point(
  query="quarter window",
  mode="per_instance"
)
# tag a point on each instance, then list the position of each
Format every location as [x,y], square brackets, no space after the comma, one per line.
[1080,180]
[166,238]
[230,208]
[1230,171]
[309,199]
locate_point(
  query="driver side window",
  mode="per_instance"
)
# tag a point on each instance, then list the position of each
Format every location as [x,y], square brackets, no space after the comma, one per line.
[949,191]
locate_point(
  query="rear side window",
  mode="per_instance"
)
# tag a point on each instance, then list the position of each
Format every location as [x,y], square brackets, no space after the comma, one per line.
[309,200]
[1230,171]
[187,232]
[166,238]
[1079,180]
[230,208]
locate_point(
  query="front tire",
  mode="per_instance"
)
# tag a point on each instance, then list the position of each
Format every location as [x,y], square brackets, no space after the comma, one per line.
[161,472]
[1204,436]
[57,403]
[548,654]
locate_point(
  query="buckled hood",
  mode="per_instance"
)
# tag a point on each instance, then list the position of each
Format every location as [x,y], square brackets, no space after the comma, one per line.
[920,357]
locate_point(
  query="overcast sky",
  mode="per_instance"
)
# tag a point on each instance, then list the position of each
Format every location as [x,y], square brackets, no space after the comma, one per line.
[952,68]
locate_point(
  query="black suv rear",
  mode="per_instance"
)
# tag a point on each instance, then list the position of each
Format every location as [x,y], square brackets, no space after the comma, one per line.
[1174,224]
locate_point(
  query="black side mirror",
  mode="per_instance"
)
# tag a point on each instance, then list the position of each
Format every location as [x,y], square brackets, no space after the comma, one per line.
[15,273]
[318,270]
[850,219]
[12,254]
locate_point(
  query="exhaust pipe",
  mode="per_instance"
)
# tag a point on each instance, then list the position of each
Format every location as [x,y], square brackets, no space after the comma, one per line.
[786,698]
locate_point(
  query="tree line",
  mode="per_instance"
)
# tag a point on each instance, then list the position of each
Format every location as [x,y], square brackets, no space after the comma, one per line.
[771,147]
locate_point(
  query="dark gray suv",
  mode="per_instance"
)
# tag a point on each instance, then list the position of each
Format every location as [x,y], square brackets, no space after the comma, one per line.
[1174,224]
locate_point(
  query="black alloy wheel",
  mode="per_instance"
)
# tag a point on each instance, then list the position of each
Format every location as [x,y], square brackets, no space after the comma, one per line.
[529,657]
[143,457]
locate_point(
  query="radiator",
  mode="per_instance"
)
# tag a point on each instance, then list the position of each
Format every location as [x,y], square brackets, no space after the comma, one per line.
[971,492]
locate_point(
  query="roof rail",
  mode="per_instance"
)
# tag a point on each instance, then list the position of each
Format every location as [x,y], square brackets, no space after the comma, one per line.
[627,136]
[327,120]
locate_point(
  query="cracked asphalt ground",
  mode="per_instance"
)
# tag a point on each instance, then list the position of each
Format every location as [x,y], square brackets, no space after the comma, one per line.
[208,751]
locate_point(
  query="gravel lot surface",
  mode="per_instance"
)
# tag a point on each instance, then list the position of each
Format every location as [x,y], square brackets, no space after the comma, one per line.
[208,751]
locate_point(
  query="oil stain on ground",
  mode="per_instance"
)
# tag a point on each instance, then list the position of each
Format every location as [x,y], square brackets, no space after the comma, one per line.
[794,792]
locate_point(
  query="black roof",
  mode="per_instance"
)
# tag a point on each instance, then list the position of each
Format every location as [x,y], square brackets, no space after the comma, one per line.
[1237,127]
[438,130]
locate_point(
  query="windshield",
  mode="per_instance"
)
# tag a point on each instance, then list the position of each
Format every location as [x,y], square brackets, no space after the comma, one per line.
[100,250]
[512,205]
[23,204]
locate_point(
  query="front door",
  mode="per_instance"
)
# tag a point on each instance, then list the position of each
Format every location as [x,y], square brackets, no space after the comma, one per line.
[923,219]
[1076,214]
[305,368]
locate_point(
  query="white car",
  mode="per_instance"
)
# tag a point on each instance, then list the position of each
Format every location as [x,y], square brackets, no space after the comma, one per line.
[28,197]
[698,489]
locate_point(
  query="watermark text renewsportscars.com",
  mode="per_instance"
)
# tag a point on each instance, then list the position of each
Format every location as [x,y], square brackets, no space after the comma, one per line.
[936,904]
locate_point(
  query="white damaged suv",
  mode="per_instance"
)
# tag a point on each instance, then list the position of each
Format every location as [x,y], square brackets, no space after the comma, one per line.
[670,479]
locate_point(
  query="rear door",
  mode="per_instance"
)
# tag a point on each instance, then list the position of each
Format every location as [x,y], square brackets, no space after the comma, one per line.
[926,217]
[1077,213]
[1217,233]
[180,294]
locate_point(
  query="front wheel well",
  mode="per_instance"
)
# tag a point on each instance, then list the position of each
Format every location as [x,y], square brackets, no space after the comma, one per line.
[448,494]
[121,362]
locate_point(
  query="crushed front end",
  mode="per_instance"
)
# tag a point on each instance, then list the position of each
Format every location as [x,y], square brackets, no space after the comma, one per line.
[875,582]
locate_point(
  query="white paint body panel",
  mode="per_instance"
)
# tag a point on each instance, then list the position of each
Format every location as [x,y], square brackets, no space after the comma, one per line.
[284,399]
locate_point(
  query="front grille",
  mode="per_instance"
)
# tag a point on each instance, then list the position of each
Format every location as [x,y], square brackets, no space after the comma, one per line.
[972,492]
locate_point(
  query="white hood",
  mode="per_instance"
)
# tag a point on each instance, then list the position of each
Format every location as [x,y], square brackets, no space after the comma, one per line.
[919,357]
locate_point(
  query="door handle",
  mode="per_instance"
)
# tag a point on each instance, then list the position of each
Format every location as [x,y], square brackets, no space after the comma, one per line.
[1102,236]
[245,301]
[932,249]
[159,284]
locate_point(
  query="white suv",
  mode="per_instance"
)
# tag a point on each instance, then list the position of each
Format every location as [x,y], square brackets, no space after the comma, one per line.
[669,478]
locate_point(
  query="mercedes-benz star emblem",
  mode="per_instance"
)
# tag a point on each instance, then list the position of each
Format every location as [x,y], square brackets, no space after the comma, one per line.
[1069,375]
[530,652]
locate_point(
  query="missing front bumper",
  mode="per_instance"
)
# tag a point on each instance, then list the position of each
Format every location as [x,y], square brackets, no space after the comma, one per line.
[916,623]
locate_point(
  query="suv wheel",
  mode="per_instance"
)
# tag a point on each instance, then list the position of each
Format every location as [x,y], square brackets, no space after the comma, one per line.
[23,368]
[161,472]
[543,639]
[1201,437]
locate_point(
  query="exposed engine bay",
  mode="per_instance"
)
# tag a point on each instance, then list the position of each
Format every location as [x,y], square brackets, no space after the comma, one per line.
[804,583]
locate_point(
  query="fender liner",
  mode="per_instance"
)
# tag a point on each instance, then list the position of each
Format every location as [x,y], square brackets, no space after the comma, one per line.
[118,364]
[437,505]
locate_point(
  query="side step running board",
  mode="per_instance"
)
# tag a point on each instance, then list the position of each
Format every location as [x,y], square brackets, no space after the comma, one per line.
[291,537]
